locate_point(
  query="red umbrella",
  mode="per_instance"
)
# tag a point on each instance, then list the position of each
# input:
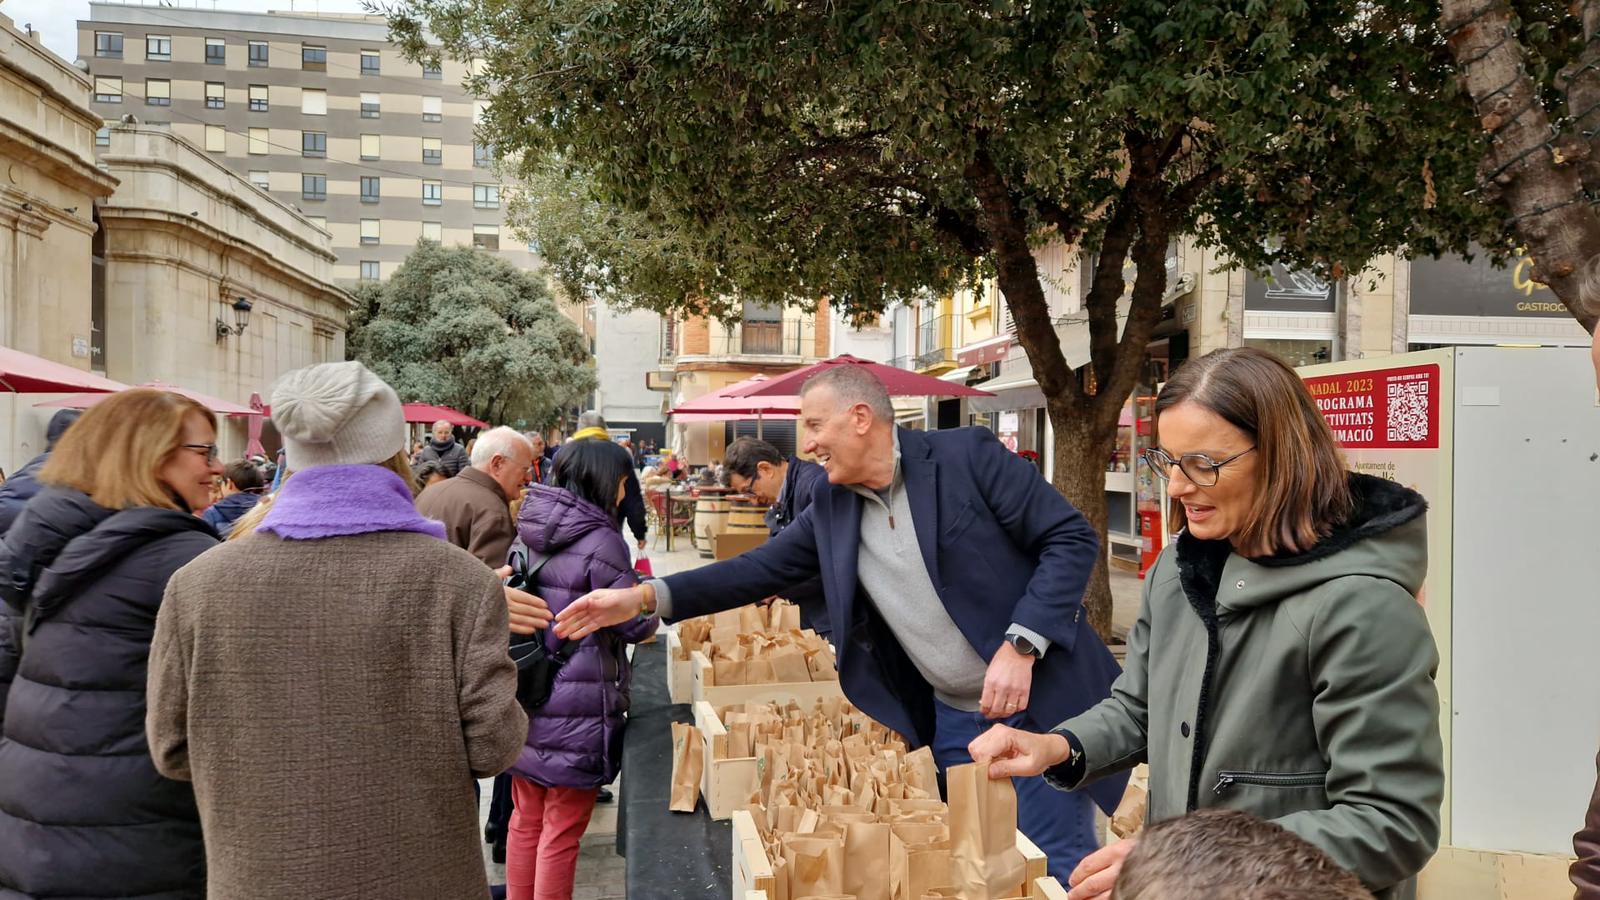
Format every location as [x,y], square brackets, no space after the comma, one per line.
[723,405]
[215,404]
[426,414]
[900,382]
[24,373]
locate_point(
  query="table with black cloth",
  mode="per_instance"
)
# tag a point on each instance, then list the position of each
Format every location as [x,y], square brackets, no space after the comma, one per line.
[668,854]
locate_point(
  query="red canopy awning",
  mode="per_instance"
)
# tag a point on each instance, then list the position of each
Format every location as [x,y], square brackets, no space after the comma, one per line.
[24,373]
[428,414]
[727,404]
[899,382]
[216,404]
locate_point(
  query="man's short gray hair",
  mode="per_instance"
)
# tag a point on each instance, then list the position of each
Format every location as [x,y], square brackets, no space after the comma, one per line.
[591,418]
[502,441]
[854,384]
[441,422]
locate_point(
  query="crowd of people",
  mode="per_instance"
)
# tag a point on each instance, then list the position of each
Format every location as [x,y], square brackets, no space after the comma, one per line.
[304,708]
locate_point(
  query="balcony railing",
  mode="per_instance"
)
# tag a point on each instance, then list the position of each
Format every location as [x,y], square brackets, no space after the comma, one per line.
[937,339]
[790,337]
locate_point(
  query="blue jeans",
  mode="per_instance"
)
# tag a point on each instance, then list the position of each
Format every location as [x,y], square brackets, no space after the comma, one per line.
[1061,823]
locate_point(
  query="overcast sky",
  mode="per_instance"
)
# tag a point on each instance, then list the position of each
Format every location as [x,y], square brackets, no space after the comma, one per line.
[58,19]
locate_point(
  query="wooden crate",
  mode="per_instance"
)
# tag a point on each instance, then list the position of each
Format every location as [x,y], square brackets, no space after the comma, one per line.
[752,871]
[680,673]
[726,783]
[1457,873]
[805,693]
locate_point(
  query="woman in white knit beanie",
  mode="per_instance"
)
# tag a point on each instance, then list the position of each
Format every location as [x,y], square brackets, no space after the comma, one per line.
[334,682]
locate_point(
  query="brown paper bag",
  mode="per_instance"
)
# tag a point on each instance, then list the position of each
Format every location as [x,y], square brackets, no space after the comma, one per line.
[789,665]
[687,760]
[789,617]
[866,847]
[984,857]
[820,663]
[815,864]
[919,770]
[729,671]
[759,671]
[1128,820]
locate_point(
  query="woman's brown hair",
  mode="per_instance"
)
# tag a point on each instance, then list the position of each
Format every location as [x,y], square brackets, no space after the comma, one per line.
[1302,484]
[114,452]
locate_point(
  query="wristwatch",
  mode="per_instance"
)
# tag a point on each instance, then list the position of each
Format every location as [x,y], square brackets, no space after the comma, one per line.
[1023,645]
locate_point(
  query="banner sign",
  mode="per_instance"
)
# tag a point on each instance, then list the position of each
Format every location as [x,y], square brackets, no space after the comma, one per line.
[1382,409]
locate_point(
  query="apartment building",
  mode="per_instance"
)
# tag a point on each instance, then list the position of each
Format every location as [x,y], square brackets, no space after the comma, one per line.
[321,111]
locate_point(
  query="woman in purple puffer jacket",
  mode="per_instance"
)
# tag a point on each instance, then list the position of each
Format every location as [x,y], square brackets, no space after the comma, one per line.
[575,740]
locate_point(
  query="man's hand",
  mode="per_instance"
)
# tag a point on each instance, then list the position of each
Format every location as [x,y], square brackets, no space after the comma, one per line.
[641,543]
[1006,686]
[528,613]
[1012,752]
[599,609]
[1097,874]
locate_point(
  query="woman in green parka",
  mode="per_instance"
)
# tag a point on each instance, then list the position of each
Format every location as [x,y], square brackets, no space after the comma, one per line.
[1281,663]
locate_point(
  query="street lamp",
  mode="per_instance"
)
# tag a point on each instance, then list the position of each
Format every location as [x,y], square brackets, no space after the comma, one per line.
[241,318]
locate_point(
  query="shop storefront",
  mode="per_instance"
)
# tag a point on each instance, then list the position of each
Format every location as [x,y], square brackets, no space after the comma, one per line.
[1292,315]
[1455,301]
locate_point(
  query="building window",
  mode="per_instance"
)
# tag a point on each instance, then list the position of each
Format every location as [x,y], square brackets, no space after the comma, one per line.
[108,44]
[432,193]
[370,62]
[313,102]
[432,151]
[369,231]
[216,51]
[480,108]
[371,147]
[313,58]
[102,138]
[258,98]
[433,109]
[486,196]
[258,54]
[216,95]
[157,92]
[258,142]
[158,47]
[369,270]
[433,231]
[313,143]
[108,89]
[432,71]
[369,189]
[313,187]
[369,106]
[261,179]
[482,156]
[486,237]
[216,139]
[319,221]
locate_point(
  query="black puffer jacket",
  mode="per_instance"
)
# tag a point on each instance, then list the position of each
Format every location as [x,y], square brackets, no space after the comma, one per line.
[83,812]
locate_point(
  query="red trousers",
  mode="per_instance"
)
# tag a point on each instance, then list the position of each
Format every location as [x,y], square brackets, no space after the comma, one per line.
[542,841]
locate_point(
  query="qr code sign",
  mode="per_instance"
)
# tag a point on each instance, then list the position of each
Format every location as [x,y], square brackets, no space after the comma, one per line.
[1408,411]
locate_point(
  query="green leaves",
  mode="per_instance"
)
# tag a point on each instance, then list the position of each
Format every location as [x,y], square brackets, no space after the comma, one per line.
[466,329]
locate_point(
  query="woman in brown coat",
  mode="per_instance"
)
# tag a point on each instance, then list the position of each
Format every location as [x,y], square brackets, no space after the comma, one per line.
[333,682]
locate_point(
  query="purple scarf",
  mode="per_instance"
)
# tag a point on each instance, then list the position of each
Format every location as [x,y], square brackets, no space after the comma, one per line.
[334,501]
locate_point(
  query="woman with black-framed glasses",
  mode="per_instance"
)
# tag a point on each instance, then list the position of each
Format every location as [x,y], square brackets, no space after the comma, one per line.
[83,810]
[1281,663]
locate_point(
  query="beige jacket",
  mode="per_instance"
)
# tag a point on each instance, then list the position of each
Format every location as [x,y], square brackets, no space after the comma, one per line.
[332,700]
[475,513]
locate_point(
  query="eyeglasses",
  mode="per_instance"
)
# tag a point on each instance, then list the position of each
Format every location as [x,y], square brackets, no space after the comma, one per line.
[210,450]
[1199,468]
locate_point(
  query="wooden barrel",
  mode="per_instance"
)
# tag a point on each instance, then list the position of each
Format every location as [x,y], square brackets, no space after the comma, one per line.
[710,518]
[747,517]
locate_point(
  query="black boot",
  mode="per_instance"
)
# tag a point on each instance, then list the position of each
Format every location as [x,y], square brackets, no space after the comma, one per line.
[604,796]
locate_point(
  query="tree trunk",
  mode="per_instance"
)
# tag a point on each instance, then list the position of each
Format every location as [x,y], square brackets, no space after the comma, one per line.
[1078,447]
[1534,176]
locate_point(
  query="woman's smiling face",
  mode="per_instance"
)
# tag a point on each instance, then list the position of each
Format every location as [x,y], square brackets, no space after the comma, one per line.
[1220,511]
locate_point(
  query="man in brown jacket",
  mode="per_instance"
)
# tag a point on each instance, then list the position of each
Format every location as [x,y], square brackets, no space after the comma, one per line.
[334,682]
[475,505]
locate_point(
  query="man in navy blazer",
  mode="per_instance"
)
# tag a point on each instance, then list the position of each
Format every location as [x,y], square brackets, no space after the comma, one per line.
[953,576]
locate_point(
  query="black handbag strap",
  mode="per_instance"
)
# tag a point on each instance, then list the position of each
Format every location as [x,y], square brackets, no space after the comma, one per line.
[529,575]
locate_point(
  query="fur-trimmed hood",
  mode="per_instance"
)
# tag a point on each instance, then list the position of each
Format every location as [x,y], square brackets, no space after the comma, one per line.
[1385,537]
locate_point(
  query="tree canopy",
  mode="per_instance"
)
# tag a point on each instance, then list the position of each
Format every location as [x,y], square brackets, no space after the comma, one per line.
[466,329]
[873,151]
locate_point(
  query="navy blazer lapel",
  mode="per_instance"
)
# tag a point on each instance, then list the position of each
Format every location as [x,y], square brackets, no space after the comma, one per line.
[922,491]
[844,544]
